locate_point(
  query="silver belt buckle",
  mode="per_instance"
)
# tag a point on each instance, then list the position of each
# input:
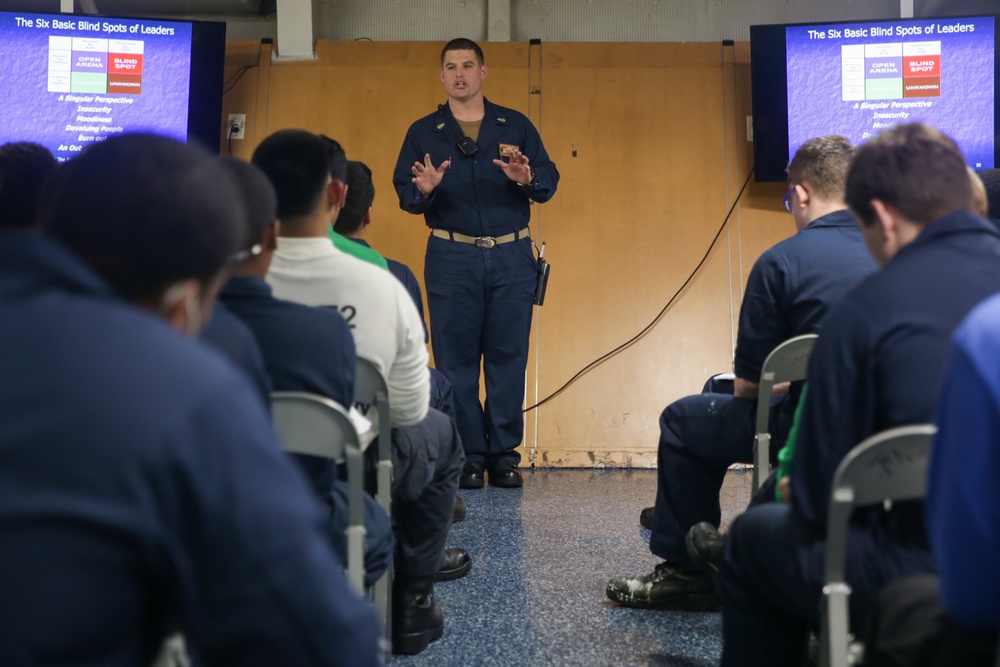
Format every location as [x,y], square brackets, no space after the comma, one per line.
[485,242]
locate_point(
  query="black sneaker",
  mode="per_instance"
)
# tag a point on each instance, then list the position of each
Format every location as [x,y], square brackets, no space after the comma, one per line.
[646,517]
[505,475]
[665,588]
[704,545]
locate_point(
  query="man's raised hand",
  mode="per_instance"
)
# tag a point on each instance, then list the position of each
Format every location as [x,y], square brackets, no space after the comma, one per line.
[426,176]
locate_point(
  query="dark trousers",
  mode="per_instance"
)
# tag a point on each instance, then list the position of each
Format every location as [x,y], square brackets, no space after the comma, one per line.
[772,577]
[427,459]
[700,437]
[480,302]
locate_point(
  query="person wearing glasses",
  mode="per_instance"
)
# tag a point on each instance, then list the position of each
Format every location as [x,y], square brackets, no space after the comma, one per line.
[790,288]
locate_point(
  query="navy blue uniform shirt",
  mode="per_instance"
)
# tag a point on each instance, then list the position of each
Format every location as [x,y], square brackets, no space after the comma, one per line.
[880,358]
[226,334]
[794,283]
[142,490]
[475,196]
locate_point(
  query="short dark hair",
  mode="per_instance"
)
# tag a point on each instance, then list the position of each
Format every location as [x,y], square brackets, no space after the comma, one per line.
[991,181]
[822,163]
[24,167]
[258,197]
[360,195]
[338,158]
[145,212]
[463,44]
[298,165]
[915,168]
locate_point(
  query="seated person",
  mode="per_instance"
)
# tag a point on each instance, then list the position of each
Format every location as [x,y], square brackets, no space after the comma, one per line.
[304,349]
[353,222]
[427,453]
[24,168]
[789,290]
[877,364]
[143,489]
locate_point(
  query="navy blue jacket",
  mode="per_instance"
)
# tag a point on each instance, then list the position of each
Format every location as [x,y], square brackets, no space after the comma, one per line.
[475,196]
[142,489]
[304,349]
[881,357]
[794,283]
[226,334]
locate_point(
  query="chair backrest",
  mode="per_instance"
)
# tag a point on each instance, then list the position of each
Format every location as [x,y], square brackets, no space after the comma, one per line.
[888,466]
[787,363]
[313,425]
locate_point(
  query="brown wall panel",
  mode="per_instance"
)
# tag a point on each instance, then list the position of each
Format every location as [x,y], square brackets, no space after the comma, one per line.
[650,140]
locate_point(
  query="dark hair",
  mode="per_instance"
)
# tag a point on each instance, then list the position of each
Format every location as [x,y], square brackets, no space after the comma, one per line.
[144,212]
[915,168]
[338,158]
[991,181]
[257,195]
[463,44]
[24,167]
[360,195]
[822,163]
[298,165]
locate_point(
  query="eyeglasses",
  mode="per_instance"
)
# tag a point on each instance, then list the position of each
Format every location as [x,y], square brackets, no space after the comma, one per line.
[787,199]
[244,255]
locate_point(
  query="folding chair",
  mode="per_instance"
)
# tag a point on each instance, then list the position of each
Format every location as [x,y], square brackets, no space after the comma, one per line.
[315,425]
[888,466]
[786,363]
[370,388]
[173,653]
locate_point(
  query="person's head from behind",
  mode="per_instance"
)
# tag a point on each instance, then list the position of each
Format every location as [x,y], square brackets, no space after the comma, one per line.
[463,69]
[156,219]
[261,219]
[990,178]
[24,168]
[980,203]
[816,177]
[297,163]
[355,217]
[338,158]
[902,180]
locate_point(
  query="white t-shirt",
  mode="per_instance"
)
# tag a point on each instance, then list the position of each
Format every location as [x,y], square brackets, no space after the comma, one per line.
[386,326]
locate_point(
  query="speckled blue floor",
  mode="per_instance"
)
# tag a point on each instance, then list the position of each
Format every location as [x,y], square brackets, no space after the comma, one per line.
[541,558]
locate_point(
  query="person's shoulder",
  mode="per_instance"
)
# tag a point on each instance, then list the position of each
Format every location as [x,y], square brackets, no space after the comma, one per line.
[426,123]
[979,332]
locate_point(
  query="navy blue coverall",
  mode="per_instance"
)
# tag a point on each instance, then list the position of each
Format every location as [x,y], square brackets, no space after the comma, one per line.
[479,298]
[142,490]
[877,364]
[790,288]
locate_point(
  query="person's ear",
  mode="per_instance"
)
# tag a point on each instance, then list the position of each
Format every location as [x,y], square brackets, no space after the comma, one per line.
[367,219]
[271,236]
[803,195]
[886,220]
[336,195]
[483,70]
[181,306]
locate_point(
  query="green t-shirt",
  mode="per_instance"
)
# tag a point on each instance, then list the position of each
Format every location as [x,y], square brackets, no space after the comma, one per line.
[786,453]
[361,252]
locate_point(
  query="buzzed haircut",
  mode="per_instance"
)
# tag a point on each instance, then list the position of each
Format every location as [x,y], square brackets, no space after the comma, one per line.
[258,197]
[145,212]
[360,195]
[463,44]
[822,163]
[915,168]
[338,158]
[24,168]
[991,181]
[298,165]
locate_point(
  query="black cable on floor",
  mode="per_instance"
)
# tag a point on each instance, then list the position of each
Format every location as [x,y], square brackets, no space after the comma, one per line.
[656,319]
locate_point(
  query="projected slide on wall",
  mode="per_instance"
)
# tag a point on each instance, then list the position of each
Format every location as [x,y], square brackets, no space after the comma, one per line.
[72,81]
[857,79]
